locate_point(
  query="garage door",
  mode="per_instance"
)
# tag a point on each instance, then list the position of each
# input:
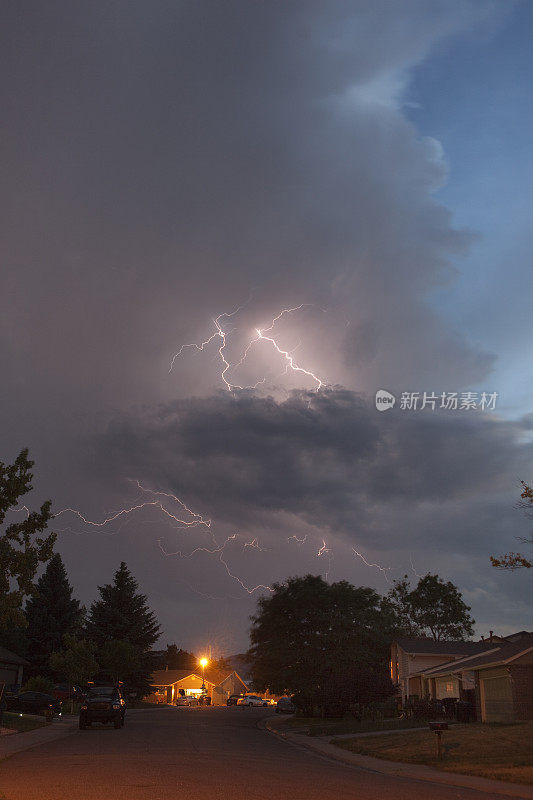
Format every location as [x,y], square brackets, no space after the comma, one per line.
[497,699]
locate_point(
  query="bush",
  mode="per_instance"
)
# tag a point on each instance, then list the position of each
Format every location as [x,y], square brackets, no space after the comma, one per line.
[39,684]
[424,708]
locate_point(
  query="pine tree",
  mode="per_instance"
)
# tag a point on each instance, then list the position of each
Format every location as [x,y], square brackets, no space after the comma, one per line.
[51,613]
[21,547]
[123,613]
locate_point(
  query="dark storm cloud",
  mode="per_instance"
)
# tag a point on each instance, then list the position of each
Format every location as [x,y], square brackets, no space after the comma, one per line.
[330,460]
[163,159]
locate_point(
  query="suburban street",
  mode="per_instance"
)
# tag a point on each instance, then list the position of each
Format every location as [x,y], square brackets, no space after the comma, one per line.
[198,754]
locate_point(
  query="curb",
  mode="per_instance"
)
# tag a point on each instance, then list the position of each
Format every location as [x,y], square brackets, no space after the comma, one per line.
[398,769]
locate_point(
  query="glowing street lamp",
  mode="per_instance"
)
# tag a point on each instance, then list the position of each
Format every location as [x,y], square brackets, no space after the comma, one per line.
[203,663]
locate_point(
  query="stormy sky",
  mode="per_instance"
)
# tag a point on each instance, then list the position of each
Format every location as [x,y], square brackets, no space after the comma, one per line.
[364,163]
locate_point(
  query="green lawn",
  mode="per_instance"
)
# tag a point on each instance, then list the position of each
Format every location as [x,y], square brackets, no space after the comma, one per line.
[336,727]
[502,752]
[26,722]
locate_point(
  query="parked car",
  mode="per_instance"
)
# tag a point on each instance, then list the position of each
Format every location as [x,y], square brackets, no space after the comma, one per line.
[33,703]
[251,700]
[103,704]
[285,706]
[183,701]
[233,699]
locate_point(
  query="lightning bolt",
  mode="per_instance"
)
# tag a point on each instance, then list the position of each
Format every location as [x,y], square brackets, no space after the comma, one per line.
[228,368]
[255,545]
[384,570]
[325,551]
[220,551]
[180,523]
[220,334]
[287,354]
[413,568]
[185,518]
[195,520]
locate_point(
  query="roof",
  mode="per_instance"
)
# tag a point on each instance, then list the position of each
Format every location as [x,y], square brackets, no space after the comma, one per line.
[166,677]
[229,675]
[445,648]
[498,653]
[12,658]
[513,637]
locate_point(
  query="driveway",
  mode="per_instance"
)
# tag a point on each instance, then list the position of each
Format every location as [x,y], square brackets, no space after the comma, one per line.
[197,754]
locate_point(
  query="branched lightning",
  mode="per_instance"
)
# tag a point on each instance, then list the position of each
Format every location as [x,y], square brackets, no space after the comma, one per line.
[220,551]
[260,335]
[186,519]
[159,500]
[220,334]
[195,520]
[255,545]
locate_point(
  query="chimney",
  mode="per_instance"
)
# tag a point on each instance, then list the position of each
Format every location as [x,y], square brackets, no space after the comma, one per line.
[490,636]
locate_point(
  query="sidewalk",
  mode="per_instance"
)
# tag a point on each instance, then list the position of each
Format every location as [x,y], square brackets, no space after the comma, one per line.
[322,747]
[14,743]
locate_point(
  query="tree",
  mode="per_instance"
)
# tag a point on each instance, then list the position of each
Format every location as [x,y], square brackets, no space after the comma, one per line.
[327,644]
[39,683]
[119,658]
[123,613]
[21,549]
[220,664]
[399,603]
[512,560]
[76,662]
[435,607]
[51,614]
[174,658]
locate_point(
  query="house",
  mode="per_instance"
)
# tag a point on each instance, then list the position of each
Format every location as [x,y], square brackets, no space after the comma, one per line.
[169,684]
[11,668]
[498,680]
[410,658]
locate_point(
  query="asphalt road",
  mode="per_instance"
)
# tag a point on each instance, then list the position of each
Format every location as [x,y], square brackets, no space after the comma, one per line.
[197,754]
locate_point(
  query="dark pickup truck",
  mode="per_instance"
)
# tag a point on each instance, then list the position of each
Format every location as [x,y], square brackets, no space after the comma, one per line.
[103,704]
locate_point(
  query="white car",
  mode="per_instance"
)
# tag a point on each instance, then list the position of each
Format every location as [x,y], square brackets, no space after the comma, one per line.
[251,700]
[183,701]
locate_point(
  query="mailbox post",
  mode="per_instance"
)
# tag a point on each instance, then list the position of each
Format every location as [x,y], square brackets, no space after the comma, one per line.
[437,728]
